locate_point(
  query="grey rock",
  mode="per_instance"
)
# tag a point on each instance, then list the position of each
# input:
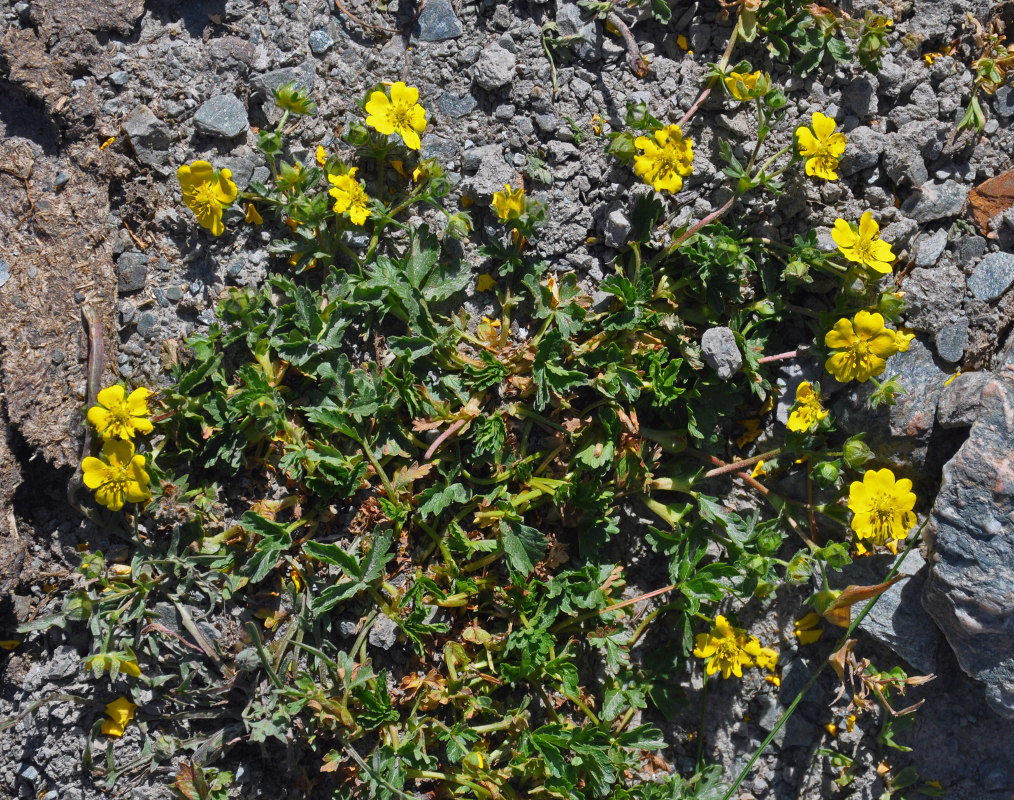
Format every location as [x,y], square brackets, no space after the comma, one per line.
[147,325]
[903,162]
[929,248]
[223,115]
[437,22]
[265,84]
[456,106]
[491,172]
[132,271]
[961,400]
[933,201]
[720,352]
[898,620]
[570,22]
[384,633]
[616,230]
[175,294]
[495,68]
[242,170]
[119,78]
[931,295]
[860,96]
[1003,102]
[445,150]
[559,152]
[796,731]
[995,777]
[865,147]
[952,340]
[970,248]
[993,276]
[795,674]
[970,588]
[148,135]
[321,42]
[547,123]
[900,436]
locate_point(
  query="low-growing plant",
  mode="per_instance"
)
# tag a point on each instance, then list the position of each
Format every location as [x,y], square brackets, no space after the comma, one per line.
[348,458]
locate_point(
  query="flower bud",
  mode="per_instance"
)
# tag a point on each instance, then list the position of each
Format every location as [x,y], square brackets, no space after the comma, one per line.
[856,453]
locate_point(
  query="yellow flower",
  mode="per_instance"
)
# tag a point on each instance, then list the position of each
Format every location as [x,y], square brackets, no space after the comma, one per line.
[117,418]
[118,477]
[349,195]
[510,203]
[881,506]
[724,649]
[821,147]
[485,282]
[808,411]
[758,471]
[742,85]
[321,156]
[253,216]
[863,346]
[666,160]
[862,244]
[401,114]
[120,713]
[807,630]
[207,193]
[107,142]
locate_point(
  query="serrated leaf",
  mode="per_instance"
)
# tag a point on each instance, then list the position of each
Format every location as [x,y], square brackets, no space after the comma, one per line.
[524,546]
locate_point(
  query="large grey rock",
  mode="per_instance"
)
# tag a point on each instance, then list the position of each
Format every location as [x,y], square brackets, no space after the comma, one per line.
[437,22]
[993,276]
[899,435]
[223,115]
[720,352]
[932,295]
[898,620]
[495,68]
[148,135]
[936,201]
[952,340]
[961,400]
[570,22]
[970,589]
[1003,102]
[491,171]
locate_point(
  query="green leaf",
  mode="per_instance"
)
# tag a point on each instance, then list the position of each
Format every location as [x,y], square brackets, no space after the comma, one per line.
[274,540]
[524,546]
[549,376]
[435,499]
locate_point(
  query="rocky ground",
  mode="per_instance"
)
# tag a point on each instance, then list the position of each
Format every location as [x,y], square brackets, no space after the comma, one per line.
[173,81]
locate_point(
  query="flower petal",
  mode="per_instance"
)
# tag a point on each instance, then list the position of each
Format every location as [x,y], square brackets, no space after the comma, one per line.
[823,125]
[843,235]
[111,396]
[868,325]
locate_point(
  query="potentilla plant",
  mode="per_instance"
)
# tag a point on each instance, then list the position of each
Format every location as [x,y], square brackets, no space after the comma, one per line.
[349,450]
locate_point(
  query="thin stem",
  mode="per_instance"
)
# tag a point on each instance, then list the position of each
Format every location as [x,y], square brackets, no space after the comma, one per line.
[778,357]
[722,65]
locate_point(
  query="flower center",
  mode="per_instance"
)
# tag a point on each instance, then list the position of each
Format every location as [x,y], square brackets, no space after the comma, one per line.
[401,115]
[883,516]
[203,195]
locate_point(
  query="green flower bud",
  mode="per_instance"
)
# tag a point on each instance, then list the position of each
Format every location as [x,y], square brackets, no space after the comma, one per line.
[856,453]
